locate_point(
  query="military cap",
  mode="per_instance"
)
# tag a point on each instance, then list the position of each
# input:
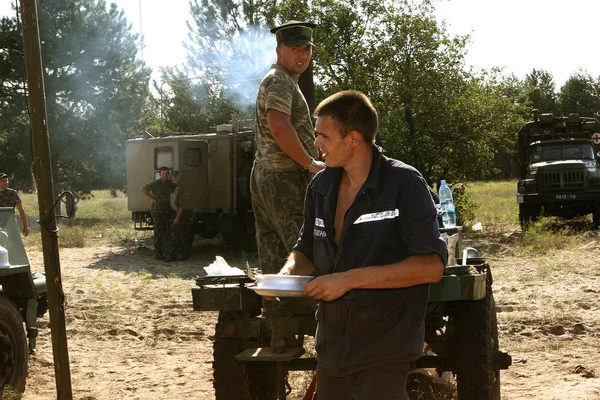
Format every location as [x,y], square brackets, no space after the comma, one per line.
[3,175]
[293,33]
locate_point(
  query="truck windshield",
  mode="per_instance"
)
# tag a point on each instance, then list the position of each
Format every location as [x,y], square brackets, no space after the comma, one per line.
[559,151]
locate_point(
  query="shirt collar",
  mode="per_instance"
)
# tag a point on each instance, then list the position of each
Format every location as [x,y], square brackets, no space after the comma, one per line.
[331,177]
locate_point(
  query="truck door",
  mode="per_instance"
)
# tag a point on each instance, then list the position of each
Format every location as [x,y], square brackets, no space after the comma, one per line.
[193,170]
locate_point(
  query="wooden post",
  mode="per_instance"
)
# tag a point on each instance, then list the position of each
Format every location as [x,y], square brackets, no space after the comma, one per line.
[43,178]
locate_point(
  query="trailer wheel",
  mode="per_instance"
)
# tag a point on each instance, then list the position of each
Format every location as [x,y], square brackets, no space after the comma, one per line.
[13,351]
[235,380]
[475,344]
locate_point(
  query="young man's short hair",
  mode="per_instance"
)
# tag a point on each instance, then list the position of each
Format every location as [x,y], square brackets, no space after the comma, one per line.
[163,168]
[350,110]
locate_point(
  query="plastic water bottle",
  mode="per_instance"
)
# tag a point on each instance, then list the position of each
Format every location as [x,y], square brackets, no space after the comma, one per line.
[447,204]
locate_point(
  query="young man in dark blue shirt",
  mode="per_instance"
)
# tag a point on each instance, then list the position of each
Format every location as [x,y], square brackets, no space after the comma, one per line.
[371,237]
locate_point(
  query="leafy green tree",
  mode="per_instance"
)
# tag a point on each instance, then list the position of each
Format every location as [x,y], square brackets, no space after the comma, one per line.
[541,91]
[580,94]
[192,106]
[95,90]
[15,153]
[435,114]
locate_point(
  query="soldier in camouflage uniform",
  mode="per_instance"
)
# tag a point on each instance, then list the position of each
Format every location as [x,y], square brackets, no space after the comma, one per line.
[10,198]
[159,192]
[285,156]
[181,235]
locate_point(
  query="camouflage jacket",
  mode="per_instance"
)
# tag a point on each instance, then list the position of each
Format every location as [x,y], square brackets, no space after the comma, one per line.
[162,193]
[9,198]
[280,91]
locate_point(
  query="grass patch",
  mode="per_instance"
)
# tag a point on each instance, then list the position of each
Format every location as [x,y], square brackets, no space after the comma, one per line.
[498,204]
[100,219]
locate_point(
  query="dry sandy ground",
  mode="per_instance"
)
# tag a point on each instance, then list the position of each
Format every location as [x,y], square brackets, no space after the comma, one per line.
[132,333]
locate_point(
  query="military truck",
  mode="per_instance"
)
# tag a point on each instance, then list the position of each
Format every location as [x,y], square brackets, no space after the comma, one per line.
[214,178]
[22,301]
[559,174]
[461,333]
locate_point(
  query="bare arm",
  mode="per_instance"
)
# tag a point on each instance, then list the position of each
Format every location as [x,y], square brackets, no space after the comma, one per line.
[23,218]
[179,212]
[414,270]
[147,193]
[286,137]
[297,264]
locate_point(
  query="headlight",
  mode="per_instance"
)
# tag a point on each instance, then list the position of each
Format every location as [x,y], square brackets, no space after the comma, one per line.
[526,185]
[590,165]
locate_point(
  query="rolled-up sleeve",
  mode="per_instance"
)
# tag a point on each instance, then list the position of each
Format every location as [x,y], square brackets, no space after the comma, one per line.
[420,229]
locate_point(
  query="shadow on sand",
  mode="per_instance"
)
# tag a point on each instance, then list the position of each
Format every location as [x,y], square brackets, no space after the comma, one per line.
[139,258]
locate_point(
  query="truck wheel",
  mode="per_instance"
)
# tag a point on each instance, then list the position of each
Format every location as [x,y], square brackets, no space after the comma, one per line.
[475,344]
[236,380]
[596,219]
[13,351]
[528,213]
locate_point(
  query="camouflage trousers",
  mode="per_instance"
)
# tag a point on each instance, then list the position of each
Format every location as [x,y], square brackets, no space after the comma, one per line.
[278,206]
[182,237]
[162,232]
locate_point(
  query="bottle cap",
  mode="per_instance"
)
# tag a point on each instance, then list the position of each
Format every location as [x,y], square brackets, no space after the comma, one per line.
[443,181]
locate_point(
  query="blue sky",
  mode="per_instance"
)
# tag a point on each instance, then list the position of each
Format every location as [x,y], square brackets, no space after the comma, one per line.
[519,35]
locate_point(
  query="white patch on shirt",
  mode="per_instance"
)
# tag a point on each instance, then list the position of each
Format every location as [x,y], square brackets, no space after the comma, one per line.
[319,233]
[319,222]
[378,216]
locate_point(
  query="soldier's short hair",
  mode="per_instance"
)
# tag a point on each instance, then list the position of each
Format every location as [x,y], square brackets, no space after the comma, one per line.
[163,168]
[350,110]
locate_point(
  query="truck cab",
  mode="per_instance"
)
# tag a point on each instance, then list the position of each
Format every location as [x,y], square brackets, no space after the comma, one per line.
[559,173]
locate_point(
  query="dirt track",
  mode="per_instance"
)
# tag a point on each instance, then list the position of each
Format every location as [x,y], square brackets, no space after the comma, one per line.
[132,333]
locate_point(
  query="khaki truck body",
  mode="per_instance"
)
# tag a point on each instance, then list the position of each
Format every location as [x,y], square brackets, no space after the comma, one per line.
[214,173]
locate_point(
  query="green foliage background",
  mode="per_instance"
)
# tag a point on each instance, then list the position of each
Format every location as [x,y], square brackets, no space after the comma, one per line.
[444,117]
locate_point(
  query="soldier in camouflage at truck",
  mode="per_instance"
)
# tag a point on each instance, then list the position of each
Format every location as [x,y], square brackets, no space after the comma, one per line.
[285,156]
[159,191]
[10,198]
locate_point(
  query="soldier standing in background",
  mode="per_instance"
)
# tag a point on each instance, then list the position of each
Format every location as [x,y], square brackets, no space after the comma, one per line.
[10,198]
[285,155]
[159,192]
[181,235]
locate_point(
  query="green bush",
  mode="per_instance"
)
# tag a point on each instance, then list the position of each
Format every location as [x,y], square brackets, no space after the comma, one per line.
[464,204]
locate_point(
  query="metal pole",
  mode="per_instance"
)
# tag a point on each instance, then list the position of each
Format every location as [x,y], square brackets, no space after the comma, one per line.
[161,109]
[43,177]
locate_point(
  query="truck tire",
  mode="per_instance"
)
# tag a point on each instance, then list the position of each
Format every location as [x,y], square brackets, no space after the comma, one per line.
[596,219]
[475,344]
[528,213]
[235,380]
[13,351]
